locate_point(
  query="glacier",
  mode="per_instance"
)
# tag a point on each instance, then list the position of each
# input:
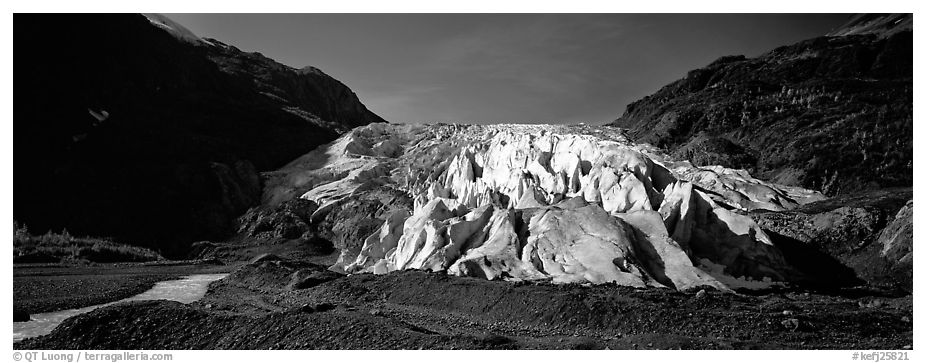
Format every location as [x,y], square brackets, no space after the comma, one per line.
[558,203]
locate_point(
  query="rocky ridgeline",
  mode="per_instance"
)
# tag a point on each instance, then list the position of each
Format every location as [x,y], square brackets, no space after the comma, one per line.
[843,101]
[562,203]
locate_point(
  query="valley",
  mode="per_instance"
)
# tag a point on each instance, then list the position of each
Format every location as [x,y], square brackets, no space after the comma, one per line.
[760,202]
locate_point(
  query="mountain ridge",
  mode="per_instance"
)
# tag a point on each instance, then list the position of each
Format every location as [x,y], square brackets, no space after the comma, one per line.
[844,102]
[144,129]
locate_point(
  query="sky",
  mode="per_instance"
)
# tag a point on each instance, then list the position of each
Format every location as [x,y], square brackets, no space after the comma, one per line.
[511,68]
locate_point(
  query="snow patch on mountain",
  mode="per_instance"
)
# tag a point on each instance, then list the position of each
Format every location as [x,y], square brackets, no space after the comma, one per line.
[175,29]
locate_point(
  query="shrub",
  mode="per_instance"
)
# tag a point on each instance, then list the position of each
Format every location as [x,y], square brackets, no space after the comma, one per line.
[54,247]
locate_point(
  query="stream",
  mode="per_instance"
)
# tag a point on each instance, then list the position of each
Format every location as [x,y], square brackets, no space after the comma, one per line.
[185,290]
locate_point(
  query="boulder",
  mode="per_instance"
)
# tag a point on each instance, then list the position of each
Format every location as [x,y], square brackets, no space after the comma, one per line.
[896,239]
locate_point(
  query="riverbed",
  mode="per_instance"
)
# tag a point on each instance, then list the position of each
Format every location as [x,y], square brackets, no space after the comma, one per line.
[185,290]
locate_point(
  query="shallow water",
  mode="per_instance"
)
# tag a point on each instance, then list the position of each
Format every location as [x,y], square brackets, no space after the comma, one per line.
[185,290]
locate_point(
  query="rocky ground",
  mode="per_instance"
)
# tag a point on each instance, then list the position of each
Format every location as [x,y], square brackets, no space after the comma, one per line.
[286,304]
[852,239]
[39,288]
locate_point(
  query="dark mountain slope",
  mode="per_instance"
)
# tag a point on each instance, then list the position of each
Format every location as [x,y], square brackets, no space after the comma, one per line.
[122,129]
[832,113]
